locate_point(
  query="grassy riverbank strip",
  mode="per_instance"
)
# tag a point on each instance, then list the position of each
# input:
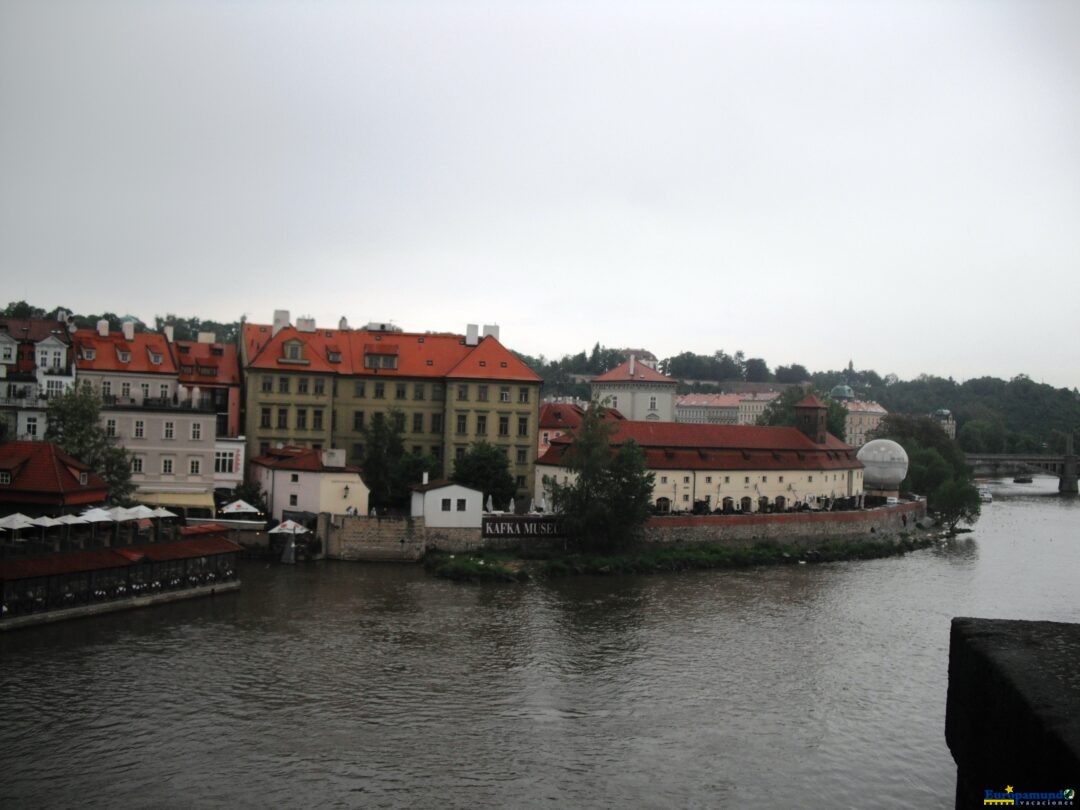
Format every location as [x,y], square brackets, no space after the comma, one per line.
[503,566]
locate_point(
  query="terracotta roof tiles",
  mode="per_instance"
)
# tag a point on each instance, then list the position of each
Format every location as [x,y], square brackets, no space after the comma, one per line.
[42,473]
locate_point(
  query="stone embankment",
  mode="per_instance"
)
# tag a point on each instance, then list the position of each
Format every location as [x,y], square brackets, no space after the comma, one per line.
[409,539]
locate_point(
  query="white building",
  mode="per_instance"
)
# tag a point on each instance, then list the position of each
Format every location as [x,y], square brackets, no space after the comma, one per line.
[296,479]
[637,392]
[443,504]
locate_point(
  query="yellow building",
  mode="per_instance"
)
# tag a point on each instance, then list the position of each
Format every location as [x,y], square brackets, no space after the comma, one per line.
[319,388]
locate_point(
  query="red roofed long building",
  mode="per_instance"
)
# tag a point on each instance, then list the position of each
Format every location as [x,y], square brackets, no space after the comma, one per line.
[744,467]
[37,477]
[318,388]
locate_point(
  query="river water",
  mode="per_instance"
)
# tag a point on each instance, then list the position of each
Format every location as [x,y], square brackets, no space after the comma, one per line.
[349,685]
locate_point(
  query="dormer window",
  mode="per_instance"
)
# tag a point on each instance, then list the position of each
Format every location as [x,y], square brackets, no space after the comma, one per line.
[125,357]
[155,358]
[333,357]
[182,348]
[217,351]
[380,361]
[294,351]
[83,478]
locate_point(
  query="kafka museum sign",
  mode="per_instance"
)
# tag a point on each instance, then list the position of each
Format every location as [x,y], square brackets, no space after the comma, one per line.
[523,526]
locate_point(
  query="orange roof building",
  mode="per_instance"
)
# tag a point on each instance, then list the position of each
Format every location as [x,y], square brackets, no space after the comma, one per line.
[637,391]
[321,388]
[38,477]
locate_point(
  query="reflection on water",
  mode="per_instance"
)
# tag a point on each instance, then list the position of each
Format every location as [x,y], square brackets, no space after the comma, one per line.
[349,685]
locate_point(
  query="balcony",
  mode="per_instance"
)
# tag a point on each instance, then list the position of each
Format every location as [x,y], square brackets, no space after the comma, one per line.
[157,403]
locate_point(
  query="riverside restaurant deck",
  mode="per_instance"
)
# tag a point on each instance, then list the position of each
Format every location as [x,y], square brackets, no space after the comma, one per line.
[57,586]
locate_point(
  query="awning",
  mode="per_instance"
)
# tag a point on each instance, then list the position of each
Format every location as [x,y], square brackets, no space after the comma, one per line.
[191,500]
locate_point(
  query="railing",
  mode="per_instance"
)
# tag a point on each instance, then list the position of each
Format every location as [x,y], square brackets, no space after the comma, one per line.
[156,403]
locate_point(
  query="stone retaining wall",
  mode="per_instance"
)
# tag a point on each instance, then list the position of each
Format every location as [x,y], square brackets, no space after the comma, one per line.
[373,539]
[799,528]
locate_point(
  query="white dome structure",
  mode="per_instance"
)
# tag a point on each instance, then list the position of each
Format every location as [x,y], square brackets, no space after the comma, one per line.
[886,464]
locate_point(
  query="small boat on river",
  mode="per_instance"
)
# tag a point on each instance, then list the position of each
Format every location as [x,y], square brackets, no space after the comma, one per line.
[1022,479]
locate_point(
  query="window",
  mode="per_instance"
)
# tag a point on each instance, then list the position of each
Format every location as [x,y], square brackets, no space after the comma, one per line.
[106,388]
[727,479]
[358,420]
[436,453]
[615,402]
[436,423]
[283,385]
[139,429]
[145,388]
[652,403]
[504,393]
[463,392]
[195,466]
[417,423]
[166,466]
[320,386]
[809,479]
[399,422]
[267,384]
[137,464]
[302,385]
[523,426]
[685,498]
[316,419]
[9,354]
[461,504]
[481,424]
[462,423]
[358,389]
[399,391]
[459,452]
[125,389]
[437,391]
[110,427]
[380,361]
[482,393]
[418,391]
[294,478]
[708,479]
[380,390]
[520,481]
[224,462]
[54,388]
[504,425]
[358,451]
[446,504]
[546,440]
[163,391]
[523,395]
[169,430]
[301,418]
[125,357]
[264,418]
[522,455]
[293,499]
[5,477]
[264,448]
[781,479]
[282,418]
[31,426]
[196,431]
[293,351]
[746,481]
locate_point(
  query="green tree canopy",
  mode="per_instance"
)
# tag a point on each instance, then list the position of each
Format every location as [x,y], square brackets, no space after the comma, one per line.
[389,471]
[486,467]
[606,504]
[74,424]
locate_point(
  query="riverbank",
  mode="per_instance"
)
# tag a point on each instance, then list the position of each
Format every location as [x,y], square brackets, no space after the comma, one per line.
[504,566]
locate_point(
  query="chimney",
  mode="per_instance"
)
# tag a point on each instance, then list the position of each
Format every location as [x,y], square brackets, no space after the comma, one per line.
[207,337]
[343,324]
[61,315]
[491,330]
[334,457]
[632,358]
[425,479]
[305,324]
[169,332]
[128,329]
[103,328]
[281,320]
[472,334]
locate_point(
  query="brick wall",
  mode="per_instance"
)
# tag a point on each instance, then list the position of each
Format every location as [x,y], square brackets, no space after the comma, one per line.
[373,539]
[800,528]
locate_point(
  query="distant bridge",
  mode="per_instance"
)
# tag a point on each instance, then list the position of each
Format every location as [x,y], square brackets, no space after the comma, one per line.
[997,464]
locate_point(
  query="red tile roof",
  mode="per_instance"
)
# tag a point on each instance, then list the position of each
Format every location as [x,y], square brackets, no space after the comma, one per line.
[642,373]
[106,352]
[42,473]
[861,406]
[121,557]
[566,415]
[300,459]
[418,354]
[35,330]
[810,401]
[683,445]
[201,356]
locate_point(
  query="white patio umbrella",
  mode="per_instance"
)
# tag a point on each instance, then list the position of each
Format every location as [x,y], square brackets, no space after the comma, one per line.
[119,514]
[15,521]
[532,505]
[162,512]
[238,507]
[288,527]
[139,512]
[510,508]
[543,502]
[490,504]
[71,520]
[97,515]
[46,522]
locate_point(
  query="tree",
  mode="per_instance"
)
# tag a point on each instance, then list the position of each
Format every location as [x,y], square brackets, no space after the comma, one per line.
[74,424]
[21,309]
[486,467]
[794,373]
[387,469]
[251,493]
[954,501]
[781,411]
[606,504]
[757,370]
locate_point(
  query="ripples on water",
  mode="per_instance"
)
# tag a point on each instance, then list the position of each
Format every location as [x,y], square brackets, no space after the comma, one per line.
[350,685]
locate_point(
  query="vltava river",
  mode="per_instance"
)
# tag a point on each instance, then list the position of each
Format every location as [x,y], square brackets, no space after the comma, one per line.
[354,685]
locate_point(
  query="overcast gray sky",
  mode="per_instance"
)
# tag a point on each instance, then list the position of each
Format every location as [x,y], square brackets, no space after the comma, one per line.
[893,182]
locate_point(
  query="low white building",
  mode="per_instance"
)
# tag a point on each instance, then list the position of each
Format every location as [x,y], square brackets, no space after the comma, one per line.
[296,479]
[443,504]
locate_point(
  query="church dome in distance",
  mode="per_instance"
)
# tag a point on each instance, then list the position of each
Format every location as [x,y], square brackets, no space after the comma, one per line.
[886,464]
[842,392]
